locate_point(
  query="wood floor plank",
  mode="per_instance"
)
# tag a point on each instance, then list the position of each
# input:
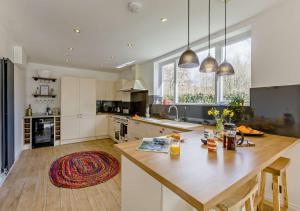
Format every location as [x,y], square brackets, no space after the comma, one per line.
[28,186]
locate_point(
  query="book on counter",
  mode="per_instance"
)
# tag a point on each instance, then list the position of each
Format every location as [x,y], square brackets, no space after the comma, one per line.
[155,145]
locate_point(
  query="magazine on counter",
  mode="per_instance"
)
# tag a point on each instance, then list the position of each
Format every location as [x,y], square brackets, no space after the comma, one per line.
[155,145]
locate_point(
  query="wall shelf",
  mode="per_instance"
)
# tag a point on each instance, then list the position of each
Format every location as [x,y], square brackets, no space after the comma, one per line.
[48,96]
[44,79]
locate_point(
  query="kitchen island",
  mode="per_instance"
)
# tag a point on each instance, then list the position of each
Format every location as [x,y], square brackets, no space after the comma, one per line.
[198,179]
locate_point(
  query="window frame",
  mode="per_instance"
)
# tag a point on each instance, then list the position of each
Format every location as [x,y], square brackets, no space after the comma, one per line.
[219,80]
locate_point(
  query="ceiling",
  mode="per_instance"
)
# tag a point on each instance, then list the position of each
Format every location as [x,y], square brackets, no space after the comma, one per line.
[45,28]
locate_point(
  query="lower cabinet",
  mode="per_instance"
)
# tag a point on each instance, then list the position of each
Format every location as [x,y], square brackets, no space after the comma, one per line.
[138,130]
[140,191]
[70,126]
[87,126]
[101,125]
[77,127]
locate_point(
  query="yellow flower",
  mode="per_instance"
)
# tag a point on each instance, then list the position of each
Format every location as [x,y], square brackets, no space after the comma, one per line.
[231,114]
[209,112]
[216,112]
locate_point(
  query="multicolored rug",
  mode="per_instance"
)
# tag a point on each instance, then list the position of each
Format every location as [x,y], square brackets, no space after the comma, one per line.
[83,169]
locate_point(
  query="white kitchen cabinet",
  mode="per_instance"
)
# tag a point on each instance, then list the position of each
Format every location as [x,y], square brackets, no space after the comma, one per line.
[102,125]
[70,126]
[78,108]
[69,96]
[110,90]
[111,127]
[87,102]
[105,90]
[100,90]
[134,197]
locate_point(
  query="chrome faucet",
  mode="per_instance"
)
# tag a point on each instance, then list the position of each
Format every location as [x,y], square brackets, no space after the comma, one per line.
[176,109]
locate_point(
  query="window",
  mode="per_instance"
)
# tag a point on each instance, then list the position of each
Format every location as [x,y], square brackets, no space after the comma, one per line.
[168,83]
[189,86]
[239,84]
[196,87]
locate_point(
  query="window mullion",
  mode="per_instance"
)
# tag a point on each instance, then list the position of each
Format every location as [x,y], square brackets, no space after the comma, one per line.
[175,84]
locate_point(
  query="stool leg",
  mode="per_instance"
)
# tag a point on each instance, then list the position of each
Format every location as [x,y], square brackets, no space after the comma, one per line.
[284,191]
[276,206]
[262,191]
[250,204]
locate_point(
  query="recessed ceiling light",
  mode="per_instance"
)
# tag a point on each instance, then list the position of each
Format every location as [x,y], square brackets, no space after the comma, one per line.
[112,57]
[163,20]
[125,64]
[76,30]
[130,45]
[70,49]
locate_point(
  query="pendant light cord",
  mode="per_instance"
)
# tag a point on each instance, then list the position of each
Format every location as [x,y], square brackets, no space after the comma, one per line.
[225,30]
[188,23]
[209,27]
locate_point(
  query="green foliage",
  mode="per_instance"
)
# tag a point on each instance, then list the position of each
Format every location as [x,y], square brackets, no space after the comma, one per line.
[236,104]
[197,98]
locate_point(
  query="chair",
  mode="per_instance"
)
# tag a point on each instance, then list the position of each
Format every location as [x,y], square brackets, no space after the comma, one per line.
[243,197]
[276,169]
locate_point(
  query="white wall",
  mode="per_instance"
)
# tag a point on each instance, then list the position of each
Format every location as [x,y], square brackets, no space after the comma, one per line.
[19,92]
[39,105]
[275,61]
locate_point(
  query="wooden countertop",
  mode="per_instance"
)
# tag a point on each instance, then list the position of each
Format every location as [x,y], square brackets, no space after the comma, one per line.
[202,178]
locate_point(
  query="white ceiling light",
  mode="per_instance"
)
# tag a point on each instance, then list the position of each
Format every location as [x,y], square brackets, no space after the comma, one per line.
[76,30]
[112,57]
[125,64]
[130,45]
[163,20]
[70,49]
[135,7]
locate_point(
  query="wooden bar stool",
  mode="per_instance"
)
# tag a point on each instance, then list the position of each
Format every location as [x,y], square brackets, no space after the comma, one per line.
[243,197]
[277,169]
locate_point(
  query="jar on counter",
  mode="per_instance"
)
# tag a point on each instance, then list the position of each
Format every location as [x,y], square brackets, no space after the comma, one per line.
[229,141]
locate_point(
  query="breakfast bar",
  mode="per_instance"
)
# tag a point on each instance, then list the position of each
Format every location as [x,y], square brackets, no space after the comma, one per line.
[197,179]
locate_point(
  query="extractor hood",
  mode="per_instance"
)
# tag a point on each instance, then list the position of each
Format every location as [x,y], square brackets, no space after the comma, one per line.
[135,84]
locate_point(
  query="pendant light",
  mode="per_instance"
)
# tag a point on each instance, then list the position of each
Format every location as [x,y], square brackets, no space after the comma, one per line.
[225,68]
[189,58]
[209,64]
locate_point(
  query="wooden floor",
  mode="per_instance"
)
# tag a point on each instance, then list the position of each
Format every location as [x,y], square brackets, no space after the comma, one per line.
[28,187]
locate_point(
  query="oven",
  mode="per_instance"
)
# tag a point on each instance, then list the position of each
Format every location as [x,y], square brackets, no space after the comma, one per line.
[120,132]
[42,132]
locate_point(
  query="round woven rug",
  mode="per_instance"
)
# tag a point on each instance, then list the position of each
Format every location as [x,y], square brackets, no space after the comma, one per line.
[83,169]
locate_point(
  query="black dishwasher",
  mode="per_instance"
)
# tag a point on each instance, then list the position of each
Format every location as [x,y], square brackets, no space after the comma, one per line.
[42,132]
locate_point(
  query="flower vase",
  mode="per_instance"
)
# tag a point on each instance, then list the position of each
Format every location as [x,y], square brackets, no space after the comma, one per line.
[219,126]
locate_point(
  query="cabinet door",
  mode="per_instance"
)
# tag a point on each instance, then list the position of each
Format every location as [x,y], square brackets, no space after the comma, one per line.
[140,191]
[69,96]
[101,90]
[110,90]
[87,96]
[111,127]
[101,125]
[118,93]
[87,126]
[69,128]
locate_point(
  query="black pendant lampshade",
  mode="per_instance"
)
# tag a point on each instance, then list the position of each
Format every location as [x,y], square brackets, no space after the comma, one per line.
[209,64]
[189,58]
[225,68]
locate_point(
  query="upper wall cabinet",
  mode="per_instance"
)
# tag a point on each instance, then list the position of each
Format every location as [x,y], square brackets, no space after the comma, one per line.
[87,96]
[105,90]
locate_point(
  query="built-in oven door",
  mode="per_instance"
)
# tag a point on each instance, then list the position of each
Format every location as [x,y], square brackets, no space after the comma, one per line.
[123,131]
[117,131]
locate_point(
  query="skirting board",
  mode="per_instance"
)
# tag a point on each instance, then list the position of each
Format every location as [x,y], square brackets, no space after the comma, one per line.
[292,206]
[72,141]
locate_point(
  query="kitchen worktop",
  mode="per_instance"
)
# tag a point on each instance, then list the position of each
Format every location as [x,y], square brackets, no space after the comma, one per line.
[202,178]
[183,126]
